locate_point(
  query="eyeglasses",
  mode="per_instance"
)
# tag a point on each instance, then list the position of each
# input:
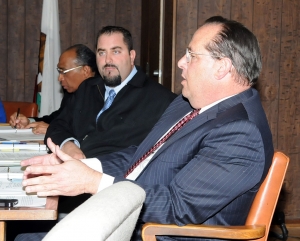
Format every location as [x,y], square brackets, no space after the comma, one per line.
[189,56]
[61,71]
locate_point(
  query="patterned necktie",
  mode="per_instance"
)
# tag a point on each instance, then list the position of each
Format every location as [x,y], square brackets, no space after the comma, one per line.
[108,102]
[175,128]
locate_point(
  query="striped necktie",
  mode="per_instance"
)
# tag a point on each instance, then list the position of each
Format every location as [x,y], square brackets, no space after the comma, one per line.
[175,128]
[108,102]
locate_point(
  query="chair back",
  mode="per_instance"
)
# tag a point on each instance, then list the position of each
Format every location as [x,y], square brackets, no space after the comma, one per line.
[109,215]
[265,201]
[29,109]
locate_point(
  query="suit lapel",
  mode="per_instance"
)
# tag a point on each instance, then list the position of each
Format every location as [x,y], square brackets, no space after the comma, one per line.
[198,121]
[189,127]
[176,110]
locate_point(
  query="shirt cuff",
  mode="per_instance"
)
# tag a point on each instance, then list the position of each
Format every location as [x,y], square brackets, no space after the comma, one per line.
[31,120]
[95,164]
[70,139]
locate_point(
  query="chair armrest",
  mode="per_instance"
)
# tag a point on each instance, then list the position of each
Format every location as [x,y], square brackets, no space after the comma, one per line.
[224,232]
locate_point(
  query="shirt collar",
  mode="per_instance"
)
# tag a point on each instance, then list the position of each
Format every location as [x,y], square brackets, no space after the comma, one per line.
[213,104]
[123,83]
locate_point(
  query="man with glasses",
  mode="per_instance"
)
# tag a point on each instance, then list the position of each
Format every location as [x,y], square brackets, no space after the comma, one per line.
[76,64]
[116,111]
[205,159]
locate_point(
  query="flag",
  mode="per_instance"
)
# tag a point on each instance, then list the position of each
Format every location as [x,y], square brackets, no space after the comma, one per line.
[51,91]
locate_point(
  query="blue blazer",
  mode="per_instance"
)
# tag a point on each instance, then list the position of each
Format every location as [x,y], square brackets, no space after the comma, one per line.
[207,172]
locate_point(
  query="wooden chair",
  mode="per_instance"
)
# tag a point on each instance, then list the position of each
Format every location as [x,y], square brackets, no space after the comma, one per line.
[29,109]
[258,221]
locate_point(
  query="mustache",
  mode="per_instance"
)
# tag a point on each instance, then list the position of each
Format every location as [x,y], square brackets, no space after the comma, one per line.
[110,65]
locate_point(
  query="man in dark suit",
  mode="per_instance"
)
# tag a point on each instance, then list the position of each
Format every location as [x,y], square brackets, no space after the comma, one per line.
[206,170]
[83,129]
[70,78]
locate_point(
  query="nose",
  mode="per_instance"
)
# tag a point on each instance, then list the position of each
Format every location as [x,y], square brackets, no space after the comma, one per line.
[108,58]
[182,62]
[60,77]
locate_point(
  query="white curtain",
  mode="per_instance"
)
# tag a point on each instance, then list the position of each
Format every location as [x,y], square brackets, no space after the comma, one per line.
[51,94]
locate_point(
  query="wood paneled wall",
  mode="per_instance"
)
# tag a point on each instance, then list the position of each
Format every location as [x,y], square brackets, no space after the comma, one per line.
[19,46]
[276,23]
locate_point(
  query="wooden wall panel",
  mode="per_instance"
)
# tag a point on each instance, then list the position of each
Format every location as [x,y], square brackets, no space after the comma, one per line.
[65,23]
[267,27]
[127,12]
[16,50]
[3,48]
[242,11]
[186,25]
[32,43]
[289,103]
[105,14]
[83,21]
[209,8]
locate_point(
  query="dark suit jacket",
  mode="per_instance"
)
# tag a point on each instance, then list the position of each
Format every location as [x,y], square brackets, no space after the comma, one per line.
[48,118]
[207,172]
[134,111]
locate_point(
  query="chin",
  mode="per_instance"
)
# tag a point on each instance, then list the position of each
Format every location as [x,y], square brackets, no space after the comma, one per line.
[183,91]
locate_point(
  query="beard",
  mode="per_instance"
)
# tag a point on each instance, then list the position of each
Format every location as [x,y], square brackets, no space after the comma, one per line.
[112,81]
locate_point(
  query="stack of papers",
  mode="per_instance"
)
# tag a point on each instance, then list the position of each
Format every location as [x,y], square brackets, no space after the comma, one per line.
[13,154]
[9,134]
[11,188]
[15,146]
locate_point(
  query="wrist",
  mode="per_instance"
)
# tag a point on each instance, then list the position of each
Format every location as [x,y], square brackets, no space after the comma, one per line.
[92,182]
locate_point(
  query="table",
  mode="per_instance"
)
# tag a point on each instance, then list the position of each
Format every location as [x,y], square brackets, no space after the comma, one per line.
[49,212]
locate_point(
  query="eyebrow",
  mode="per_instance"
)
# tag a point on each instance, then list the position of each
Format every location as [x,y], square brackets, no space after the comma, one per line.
[113,48]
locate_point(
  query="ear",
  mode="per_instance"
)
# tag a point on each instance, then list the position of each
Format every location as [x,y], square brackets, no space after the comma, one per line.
[132,54]
[87,71]
[224,67]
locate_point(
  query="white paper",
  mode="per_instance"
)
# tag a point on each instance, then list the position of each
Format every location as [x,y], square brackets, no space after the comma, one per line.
[22,146]
[15,190]
[11,158]
[15,172]
[10,134]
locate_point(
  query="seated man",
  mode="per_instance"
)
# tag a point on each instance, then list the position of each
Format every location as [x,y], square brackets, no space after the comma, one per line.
[206,157]
[70,78]
[87,127]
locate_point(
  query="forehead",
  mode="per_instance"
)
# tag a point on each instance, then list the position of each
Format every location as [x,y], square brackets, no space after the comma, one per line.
[67,57]
[203,36]
[107,41]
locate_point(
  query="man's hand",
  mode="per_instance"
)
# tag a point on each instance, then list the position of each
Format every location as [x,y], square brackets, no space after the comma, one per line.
[49,159]
[21,122]
[72,150]
[39,127]
[70,178]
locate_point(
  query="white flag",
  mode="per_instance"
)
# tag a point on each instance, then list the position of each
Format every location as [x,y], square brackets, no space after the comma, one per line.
[51,95]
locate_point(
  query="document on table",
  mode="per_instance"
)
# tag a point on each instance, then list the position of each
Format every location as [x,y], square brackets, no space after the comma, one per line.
[13,157]
[12,173]
[9,134]
[14,190]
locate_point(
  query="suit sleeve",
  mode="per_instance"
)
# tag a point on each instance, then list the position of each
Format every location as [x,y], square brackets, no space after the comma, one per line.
[49,118]
[229,162]
[61,127]
[117,163]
